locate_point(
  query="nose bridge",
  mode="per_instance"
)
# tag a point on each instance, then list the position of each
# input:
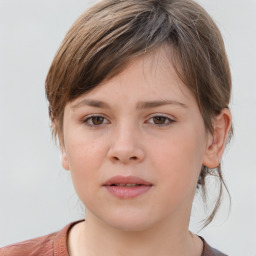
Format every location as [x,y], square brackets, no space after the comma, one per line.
[126,130]
[125,145]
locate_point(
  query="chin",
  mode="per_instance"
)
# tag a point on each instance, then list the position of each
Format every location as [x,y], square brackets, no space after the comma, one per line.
[130,226]
[129,222]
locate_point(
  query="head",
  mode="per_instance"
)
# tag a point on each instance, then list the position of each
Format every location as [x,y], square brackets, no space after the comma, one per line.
[111,34]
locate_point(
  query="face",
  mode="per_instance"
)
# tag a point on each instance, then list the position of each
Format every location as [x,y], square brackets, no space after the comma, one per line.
[135,146]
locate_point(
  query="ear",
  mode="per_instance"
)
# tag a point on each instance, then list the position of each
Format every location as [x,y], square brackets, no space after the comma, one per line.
[64,158]
[58,133]
[217,140]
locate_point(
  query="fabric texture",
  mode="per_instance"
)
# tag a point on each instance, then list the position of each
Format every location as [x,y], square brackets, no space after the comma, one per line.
[55,244]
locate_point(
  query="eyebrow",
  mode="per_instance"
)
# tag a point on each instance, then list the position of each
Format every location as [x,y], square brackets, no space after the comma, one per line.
[140,105]
[158,103]
[91,103]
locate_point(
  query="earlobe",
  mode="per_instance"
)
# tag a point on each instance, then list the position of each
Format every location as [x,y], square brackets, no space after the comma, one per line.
[217,141]
[64,159]
[58,132]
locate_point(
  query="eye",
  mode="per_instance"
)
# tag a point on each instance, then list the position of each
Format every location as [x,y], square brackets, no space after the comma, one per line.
[95,120]
[160,120]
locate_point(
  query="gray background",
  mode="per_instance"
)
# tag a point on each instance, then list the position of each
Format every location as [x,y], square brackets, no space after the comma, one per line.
[36,194]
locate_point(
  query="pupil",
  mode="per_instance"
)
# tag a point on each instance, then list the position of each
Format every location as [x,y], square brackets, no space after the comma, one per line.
[159,120]
[97,120]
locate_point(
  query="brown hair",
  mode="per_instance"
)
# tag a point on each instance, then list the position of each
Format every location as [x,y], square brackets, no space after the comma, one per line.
[113,32]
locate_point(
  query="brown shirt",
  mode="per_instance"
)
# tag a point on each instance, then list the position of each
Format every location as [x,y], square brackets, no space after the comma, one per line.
[55,244]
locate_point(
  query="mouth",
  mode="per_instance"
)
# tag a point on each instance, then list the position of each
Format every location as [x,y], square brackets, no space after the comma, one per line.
[129,181]
[127,187]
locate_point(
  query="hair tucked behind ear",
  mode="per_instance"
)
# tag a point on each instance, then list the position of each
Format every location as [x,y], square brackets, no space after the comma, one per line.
[111,33]
[205,172]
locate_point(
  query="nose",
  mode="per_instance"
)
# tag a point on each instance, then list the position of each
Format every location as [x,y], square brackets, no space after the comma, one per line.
[126,147]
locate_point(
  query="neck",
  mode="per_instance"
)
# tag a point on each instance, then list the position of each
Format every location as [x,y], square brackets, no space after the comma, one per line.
[171,237]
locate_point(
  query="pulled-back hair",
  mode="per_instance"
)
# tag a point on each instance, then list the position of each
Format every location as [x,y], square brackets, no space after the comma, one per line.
[112,33]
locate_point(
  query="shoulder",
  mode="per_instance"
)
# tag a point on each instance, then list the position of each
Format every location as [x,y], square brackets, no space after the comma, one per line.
[36,246]
[210,251]
[52,244]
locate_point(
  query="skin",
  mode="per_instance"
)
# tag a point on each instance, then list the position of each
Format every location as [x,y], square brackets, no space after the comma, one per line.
[164,144]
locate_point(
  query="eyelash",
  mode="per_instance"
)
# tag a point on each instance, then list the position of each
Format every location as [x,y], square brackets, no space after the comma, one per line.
[168,119]
[90,119]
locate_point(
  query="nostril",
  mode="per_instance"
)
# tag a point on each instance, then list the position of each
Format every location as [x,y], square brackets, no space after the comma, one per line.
[134,157]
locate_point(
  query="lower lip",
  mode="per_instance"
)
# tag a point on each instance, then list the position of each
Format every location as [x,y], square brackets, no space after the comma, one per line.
[127,192]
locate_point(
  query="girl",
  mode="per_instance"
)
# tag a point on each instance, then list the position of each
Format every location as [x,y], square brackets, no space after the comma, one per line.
[138,97]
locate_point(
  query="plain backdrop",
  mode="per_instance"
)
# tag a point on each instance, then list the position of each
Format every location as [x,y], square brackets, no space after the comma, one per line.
[36,194]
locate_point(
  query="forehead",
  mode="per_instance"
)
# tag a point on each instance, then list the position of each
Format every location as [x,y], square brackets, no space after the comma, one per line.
[150,76]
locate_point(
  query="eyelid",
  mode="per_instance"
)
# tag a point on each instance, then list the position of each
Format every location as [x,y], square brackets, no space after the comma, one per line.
[88,117]
[85,119]
[168,117]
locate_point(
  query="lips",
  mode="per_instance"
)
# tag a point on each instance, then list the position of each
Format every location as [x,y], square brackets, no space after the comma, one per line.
[123,180]
[127,187]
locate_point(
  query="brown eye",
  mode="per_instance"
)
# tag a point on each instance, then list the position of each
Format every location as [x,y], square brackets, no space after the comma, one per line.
[97,120]
[159,119]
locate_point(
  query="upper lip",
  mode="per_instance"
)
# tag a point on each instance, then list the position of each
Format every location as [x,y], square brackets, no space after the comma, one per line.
[126,180]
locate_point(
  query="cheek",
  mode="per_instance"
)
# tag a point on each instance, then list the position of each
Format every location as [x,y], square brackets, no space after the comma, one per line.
[178,159]
[85,158]
[83,150]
